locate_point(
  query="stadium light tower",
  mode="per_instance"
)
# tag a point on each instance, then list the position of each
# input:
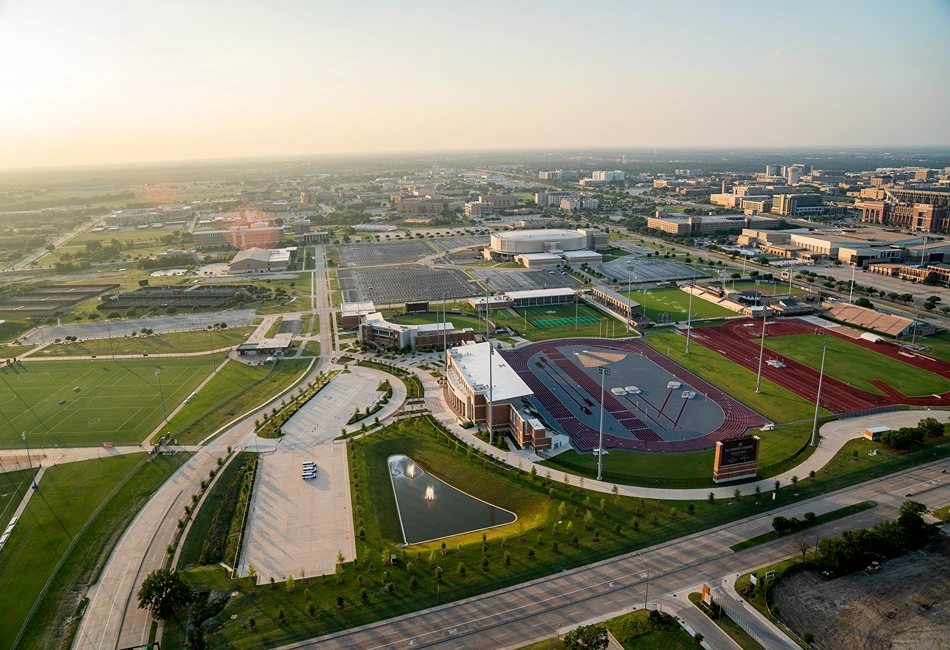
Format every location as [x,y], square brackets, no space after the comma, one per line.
[821,376]
[758,379]
[689,312]
[600,360]
[158,373]
[851,293]
[28,459]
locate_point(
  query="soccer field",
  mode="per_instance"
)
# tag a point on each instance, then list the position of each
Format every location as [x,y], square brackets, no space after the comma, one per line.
[855,365]
[675,302]
[116,401]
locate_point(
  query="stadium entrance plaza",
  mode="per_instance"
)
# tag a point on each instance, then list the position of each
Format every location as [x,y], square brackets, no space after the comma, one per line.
[298,524]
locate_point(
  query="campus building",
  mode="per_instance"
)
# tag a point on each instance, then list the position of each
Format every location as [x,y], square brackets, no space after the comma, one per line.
[262,260]
[242,237]
[470,387]
[376,330]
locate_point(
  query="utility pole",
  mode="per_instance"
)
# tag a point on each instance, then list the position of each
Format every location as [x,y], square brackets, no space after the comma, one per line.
[821,376]
[111,348]
[211,344]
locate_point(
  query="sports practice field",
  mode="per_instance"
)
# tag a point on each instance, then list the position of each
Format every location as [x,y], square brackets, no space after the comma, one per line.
[116,401]
[856,365]
[675,302]
[558,321]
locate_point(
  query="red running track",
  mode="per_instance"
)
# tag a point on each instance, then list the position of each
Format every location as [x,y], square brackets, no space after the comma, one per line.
[741,344]
[738,418]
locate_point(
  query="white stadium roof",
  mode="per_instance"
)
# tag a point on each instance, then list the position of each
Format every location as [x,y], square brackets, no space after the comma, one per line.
[472,362]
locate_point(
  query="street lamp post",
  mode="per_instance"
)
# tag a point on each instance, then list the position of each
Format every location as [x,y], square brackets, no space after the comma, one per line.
[28,459]
[646,593]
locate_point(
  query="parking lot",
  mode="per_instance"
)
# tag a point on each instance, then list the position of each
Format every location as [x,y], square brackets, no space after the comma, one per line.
[450,243]
[380,253]
[302,524]
[641,270]
[158,324]
[397,284]
[515,280]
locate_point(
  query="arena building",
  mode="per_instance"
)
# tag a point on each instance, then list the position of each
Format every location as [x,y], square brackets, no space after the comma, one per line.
[506,245]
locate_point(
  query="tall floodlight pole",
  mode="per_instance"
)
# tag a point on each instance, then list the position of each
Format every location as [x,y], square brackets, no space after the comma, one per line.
[604,371]
[445,339]
[577,302]
[111,348]
[629,300]
[491,388]
[28,459]
[158,373]
[821,376]
[214,366]
[689,313]
[758,380]
[913,340]
[851,293]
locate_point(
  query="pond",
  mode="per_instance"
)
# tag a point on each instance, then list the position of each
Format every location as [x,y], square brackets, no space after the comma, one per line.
[429,508]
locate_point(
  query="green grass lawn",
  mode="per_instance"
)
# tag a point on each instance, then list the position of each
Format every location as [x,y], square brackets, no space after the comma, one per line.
[13,485]
[855,365]
[12,329]
[943,514]
[117,401]
[172,343]
[645,469]
[603,326]
[12,351]
[67,497]
[774,402]
[54,625]
[676,303]
[236,389]
[636,631]
[375,512]
[936,346]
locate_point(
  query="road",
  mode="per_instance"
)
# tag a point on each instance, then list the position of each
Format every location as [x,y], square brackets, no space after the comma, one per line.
[526,613]
[59,241]
[112,618]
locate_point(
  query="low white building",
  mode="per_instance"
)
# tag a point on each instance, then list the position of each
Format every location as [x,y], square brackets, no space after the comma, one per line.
[261,260]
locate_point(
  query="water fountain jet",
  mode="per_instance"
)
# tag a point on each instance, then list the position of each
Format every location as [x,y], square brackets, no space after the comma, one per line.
[430,493]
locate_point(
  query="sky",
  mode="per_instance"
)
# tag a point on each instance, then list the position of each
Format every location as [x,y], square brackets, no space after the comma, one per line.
[89,83]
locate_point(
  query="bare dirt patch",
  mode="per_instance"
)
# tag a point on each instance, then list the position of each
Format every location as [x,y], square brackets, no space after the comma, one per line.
[905,605]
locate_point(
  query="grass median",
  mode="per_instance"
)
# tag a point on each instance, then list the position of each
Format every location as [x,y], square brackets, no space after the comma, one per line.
[820,519]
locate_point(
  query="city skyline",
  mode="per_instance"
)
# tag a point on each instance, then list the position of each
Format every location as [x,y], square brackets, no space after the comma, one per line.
[143,82]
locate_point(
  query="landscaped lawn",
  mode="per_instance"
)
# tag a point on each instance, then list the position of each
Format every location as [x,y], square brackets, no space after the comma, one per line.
[675,302]
[645,468]
[13,351]
[53,625]
[79,403]
[11,329]
[376,514]
[172,343]
[67,496]
[855,365]
[774,402]
[235,390]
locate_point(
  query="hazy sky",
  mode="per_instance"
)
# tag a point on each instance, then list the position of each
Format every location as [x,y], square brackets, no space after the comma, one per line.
[102,82]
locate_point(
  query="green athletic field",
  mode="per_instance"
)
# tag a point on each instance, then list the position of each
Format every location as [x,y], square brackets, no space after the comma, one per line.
[675,302]
[117,401]
[855,365]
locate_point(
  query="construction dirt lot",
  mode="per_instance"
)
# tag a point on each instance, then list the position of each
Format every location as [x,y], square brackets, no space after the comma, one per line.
[906,604]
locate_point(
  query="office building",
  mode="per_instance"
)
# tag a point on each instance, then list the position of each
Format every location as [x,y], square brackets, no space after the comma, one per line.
[797,205]
[478,209]
[301,226]
[919,217]
[500,201]
[609,177]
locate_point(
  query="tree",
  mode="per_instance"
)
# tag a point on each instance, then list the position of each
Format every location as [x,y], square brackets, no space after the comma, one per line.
[931,427]
[163,593]
[910,519]
[802,545]
[864,302]
[586,637]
